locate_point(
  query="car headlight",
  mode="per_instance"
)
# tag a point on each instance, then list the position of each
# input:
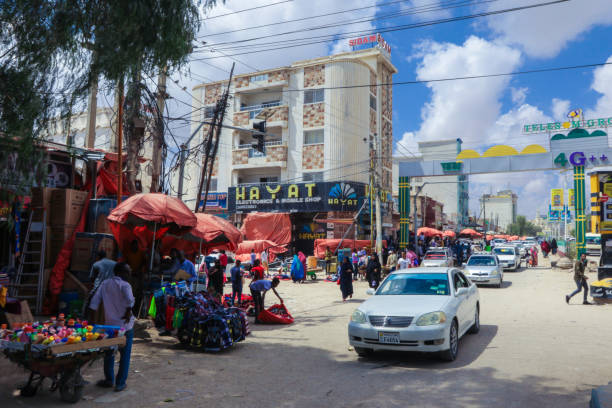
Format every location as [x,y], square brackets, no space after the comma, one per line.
[494,272]
[358,316]
[429,319]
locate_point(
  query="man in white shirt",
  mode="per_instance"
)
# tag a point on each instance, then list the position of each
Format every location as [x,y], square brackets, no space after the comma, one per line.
[264,260]
[116,295]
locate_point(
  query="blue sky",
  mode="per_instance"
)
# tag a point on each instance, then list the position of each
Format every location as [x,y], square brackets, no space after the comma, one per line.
[482,112]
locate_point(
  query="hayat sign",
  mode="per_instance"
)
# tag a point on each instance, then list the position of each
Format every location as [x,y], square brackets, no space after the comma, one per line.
[568,125]
[302,197]
[370,41]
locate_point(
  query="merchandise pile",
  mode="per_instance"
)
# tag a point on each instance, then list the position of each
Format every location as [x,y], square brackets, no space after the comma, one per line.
[58,331]
[201,323]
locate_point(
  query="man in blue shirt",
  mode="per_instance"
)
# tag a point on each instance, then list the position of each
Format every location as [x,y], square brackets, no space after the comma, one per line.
[236,276]
[187,266]
[258,291]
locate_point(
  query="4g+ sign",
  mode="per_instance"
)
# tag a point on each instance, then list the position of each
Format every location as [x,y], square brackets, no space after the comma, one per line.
[580,159]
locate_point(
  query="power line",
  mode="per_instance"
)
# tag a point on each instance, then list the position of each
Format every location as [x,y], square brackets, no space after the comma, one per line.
[334,37]
[313,17]
[248,9]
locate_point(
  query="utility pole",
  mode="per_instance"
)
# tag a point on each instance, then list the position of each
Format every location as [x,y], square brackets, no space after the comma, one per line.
[92,108]
[120,142]
[158,138]
[377,174]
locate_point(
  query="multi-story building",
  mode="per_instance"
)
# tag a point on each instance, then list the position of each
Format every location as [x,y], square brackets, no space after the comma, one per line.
[323,116]
[499,209]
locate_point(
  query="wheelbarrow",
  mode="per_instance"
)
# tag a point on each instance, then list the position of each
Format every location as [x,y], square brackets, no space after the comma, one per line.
[60,363]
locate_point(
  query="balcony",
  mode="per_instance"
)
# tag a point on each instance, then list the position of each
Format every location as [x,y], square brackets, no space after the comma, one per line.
[268,80]
[276,115]
[274,154]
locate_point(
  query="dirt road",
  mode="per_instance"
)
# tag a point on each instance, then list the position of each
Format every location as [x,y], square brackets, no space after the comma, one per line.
[533,350]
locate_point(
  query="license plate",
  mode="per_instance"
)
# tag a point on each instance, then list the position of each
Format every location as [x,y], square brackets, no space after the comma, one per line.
[479,279]
[389,338]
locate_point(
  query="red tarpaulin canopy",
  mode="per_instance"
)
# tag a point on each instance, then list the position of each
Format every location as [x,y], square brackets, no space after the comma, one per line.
[154,211]
[321,244]
[243,253]
[429,232]
[449,233]
[472,233]
[275,227]
[210,232]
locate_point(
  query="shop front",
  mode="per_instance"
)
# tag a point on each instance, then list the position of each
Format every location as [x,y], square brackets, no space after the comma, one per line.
[306,203]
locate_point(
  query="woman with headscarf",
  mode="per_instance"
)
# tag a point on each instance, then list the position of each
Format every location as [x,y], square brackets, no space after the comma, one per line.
[302,259]
[553,246]
[373,271]
[297,269]
[345,278]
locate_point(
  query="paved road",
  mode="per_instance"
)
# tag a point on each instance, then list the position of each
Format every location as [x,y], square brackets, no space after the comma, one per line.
[533,351]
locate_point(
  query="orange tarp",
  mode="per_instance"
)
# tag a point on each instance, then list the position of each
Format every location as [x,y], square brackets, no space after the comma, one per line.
[321,244]
[429,232]
[470,232]
[275,227]
[243,253]
[211,231]
[449,233]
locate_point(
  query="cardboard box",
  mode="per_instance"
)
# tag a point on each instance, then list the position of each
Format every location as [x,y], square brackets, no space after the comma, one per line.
[41,196]
[57,238]
[82,254]
[69,215]
[65,196]
[102,226]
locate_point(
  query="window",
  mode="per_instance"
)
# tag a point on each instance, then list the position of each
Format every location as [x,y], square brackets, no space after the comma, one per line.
[313,136]
[482,261]
[213,184]
[415,284]
[373,102]
[314,96]
[313,176]
[257,78]
[209,112]
[269,179]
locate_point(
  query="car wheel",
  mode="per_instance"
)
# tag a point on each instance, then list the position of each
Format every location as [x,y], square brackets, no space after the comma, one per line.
[363,352]
[476,326]
[501,283]
[453,343]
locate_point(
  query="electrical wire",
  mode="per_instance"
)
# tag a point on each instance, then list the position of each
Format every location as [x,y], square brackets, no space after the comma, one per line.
[245,10]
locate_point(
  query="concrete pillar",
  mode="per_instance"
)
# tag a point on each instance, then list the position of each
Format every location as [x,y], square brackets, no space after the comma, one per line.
[595,204]
[579,191]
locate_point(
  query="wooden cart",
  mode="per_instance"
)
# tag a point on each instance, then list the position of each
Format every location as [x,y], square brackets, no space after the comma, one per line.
[61,363]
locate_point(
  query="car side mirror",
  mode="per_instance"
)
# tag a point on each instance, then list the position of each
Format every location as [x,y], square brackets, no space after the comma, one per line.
[461,292]
[464,264]
[370,291]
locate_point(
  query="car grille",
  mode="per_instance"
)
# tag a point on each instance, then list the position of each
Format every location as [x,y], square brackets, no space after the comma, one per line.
[390,321]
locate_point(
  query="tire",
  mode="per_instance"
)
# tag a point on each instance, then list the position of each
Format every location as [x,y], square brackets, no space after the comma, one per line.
[71,388]
[453,342]
[313,277]
[363,352]
[500,284]
[28,391]
[476,326]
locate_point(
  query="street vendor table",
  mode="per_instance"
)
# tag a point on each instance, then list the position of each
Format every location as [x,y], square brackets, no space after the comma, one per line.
[61,363]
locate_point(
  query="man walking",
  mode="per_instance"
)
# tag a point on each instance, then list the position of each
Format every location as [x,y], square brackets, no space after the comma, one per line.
[116,295]
[580,279]
[236,283]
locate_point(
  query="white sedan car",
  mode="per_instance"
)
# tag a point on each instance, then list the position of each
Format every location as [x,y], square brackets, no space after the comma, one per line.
[420,309]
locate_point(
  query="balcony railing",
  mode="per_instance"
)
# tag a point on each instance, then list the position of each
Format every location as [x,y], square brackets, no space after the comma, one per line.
[255,109]
[257,153]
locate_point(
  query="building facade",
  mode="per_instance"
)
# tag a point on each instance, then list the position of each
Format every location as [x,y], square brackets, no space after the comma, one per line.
[499,209]
[324,118]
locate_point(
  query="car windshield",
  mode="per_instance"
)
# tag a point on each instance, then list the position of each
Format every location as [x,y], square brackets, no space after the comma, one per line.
[504,251]
[481,261]
[415,284]
[435,255]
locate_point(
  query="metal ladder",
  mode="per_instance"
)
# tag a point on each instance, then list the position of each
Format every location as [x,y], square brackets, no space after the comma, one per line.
[26,282]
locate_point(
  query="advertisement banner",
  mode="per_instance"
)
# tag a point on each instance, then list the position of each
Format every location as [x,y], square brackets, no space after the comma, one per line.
[606,210]
[556,199]
[215,201]
[299,197]
[570,199]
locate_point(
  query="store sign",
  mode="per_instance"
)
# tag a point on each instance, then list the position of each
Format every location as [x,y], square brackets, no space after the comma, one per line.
[303,197]
[369,41]
[581,159]
[606,213]
[556,199]
[570,199]
[567,125]
[215,201]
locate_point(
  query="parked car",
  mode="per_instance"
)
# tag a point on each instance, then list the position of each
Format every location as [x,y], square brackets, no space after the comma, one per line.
[508,257]
[522,249]
[438,257]
[420,309]
[484,268]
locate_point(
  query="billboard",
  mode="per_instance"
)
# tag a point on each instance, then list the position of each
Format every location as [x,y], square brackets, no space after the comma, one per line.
[298,197]
[570,199]
[556,199]
[215,201]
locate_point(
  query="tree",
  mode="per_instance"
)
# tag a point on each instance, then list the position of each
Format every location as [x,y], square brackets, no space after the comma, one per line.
[54,49]
[523,227]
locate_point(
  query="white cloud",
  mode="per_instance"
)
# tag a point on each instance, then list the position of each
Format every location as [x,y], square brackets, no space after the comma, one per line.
[469,107]
[507,129]
[543,32]
[406,146]
[602,84]
[519,95]
[560,108]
